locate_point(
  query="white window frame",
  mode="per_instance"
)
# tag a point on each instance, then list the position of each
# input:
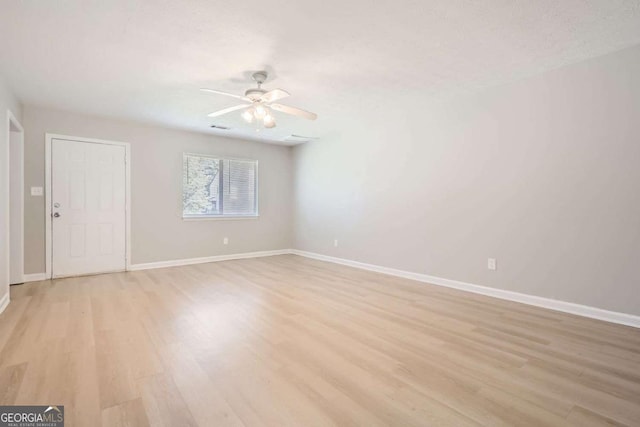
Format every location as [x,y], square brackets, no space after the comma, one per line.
[220,217]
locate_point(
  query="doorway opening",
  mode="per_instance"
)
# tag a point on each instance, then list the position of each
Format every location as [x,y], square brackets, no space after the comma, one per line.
[16,200]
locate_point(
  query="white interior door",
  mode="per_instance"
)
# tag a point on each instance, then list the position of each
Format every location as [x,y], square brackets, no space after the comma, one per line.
[88,202]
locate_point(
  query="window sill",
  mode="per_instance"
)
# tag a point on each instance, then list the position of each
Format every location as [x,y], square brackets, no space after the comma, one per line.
[219,218]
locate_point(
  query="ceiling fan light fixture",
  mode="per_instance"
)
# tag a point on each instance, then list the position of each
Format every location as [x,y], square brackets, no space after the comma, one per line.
[260,111]
[269,121]
[247,115]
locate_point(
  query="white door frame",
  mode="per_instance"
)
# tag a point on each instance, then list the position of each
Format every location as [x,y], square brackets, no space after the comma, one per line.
[49,137]
[12,120]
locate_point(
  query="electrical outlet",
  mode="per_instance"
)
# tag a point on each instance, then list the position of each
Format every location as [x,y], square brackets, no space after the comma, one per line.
[36,191]
[492,264]
[335,243]
[225,241]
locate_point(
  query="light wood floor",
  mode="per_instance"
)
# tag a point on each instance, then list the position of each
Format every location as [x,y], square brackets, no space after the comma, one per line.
[290,341]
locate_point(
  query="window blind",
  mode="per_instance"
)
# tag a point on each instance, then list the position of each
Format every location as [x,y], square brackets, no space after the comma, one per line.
[239,191]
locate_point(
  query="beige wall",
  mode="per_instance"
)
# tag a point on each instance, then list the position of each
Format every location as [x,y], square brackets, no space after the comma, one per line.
[7,102]
[542,174]
[158,231]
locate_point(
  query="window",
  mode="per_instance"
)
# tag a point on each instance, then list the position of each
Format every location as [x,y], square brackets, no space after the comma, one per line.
[213,187]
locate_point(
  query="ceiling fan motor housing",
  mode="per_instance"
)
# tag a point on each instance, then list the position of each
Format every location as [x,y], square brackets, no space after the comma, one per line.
[254,94]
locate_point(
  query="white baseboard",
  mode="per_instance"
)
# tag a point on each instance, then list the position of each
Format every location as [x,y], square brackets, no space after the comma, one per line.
[567,307]
[202,260]
[563,306]
[34,277]
[4,302]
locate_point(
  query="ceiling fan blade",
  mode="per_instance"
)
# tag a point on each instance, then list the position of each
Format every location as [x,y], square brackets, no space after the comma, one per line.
[228,110]
[294,111]
[274,95]
[219,92]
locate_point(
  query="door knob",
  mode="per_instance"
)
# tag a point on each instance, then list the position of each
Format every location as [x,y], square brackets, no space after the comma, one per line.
[56,215]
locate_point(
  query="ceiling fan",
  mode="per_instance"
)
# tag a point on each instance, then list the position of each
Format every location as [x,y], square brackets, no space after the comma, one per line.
[260,103]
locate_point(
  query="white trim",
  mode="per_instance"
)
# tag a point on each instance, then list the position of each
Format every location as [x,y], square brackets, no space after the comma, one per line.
[4,302]
[47,211]
[34,277]
[202,260]
[127,204]
[47,206]
[217,157]
[11,118]
[220,218]
[566,307]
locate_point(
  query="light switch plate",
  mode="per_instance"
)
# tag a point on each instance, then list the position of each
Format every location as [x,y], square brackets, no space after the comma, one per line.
[36,191]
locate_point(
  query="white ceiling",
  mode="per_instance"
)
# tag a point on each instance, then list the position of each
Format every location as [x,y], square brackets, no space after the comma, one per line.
[145,60]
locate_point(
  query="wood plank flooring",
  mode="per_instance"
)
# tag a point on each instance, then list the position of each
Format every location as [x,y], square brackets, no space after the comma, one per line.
[289,341]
